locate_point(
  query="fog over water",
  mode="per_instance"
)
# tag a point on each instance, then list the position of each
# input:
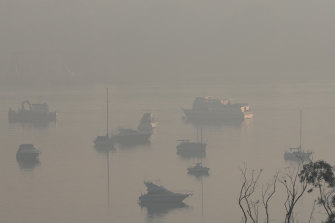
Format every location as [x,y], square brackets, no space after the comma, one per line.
[83,41]
[158,56]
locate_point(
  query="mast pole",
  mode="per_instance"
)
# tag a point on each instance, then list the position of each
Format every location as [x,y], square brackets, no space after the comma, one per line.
[201,144]
[108,180]
[300,128]
[202,201]
[107,115]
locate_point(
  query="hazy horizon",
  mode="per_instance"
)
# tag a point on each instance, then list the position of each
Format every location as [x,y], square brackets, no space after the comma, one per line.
[58,42]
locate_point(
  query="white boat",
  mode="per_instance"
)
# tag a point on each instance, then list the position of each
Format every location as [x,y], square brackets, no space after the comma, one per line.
[216,109]
[34,113]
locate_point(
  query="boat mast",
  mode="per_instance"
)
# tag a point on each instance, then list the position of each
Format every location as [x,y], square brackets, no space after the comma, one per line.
[108,200]
[201,144]
[107,115]
[202,201]
[300,129]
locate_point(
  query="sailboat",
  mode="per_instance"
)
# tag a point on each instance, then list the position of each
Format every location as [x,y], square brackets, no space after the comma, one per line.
[198,170]
[104,141]
[187,147]
[296,153]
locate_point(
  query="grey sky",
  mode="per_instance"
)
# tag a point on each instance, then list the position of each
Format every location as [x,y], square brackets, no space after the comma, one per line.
[116,40]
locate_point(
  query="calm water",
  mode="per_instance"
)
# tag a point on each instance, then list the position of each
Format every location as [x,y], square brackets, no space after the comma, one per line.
[70,182]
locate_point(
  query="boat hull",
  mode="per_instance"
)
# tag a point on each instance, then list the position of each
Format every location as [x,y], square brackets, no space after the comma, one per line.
[191,147]
[103,141]
[223,116]
[30,117]
[301,157]
[131,139]
[162,200]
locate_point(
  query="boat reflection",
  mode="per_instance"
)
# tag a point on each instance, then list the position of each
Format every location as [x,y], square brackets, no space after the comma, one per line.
[27,156]
[34,125]
[28,164]
[159,210]
[105,149]
[133,144]
[191,155]
[198,171]
[214,123]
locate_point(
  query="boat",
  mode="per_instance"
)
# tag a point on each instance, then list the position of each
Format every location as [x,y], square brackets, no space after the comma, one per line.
[147,123]
[216,109]
[130,136]
[139,136]
[27,152]
[34,113]
[198,170]
[159,195]
[187,146]
[105,141]
[297,153]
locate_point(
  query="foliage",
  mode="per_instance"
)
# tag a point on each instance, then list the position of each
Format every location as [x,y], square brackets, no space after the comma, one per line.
[314,176]
[320,175]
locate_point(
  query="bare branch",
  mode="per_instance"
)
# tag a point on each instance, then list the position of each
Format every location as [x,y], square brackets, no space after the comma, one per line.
[267,194]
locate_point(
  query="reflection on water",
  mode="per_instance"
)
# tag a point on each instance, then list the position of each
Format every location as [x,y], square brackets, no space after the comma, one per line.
[214,123]
[29,164]
[34,125]
[198,175]
[105,149]
[130,144]
[75,177]
[191,155]
[159,210]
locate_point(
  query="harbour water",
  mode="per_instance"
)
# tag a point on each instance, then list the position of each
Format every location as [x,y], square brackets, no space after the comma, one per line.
[70,182]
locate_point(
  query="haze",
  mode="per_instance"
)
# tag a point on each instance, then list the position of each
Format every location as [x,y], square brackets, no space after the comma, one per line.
[156,57]
[85,41]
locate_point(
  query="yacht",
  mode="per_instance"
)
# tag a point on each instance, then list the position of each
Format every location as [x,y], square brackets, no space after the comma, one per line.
[130,136]
[158,195]
[147,123]
[34,113]
[198,170]
[104,141]
[187,146]
[216,109]
[27,152]
[297,153]
[141,135]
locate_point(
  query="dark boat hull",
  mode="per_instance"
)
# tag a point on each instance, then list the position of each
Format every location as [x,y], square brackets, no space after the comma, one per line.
[27,157]
[30,117]
[131,139]
[162,200]
[213,116]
